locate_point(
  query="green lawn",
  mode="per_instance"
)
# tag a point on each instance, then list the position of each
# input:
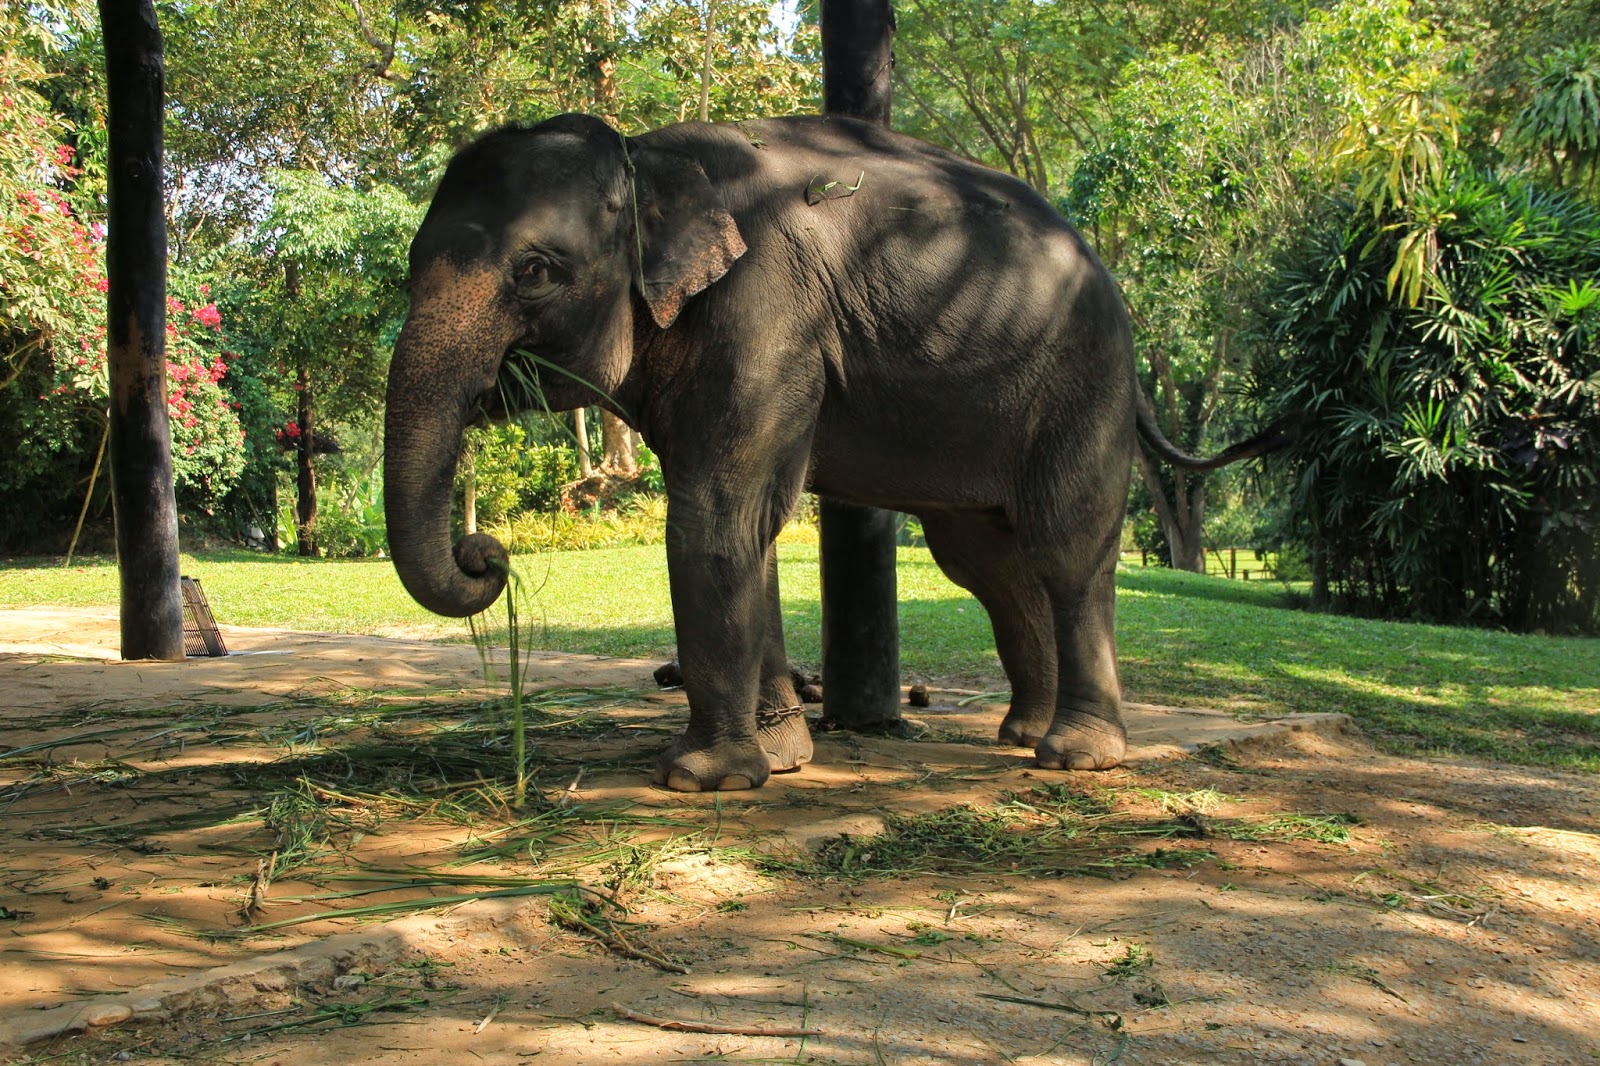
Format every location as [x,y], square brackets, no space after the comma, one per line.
[1184,639]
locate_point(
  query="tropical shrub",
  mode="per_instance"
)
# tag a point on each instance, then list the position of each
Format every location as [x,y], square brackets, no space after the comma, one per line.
[513,475]
[350,521]
[641,520]
[1449,451]
[1560,126]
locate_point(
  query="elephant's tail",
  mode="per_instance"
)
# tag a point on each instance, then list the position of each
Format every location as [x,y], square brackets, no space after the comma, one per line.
[1275,436]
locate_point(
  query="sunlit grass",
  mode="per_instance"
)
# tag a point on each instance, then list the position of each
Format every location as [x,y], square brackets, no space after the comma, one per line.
[1183,639]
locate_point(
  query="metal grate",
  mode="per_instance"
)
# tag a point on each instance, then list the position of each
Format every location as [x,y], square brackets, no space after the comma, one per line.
[201,637]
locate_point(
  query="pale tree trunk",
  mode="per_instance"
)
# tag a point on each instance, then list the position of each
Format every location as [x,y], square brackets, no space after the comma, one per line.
[705,66]
[580,428]
[469,492]
[305,514]
[605,83]
[619,457]
[1182,511]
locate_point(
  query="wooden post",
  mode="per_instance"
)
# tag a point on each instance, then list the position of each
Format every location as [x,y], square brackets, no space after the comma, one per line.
[860,620]
[136,342]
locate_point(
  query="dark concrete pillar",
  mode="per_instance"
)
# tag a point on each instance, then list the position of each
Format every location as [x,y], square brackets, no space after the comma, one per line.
[860,619]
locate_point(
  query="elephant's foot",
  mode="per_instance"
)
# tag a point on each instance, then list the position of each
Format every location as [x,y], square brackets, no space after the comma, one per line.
[785,737]
[1025,728]
[730,766]
[1078,741]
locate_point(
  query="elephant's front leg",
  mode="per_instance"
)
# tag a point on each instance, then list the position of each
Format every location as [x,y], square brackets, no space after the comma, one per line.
[716,563]
[780,716]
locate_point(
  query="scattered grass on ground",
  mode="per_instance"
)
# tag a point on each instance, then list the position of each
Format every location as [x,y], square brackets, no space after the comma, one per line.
[1051,831]
[1184,639]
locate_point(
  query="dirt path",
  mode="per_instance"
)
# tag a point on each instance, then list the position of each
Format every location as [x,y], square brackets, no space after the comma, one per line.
[1304,899]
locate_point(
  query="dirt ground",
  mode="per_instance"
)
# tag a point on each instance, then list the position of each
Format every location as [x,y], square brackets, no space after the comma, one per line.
[1213,911]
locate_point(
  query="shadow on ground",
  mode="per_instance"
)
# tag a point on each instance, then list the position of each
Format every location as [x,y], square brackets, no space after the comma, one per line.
[1302,899]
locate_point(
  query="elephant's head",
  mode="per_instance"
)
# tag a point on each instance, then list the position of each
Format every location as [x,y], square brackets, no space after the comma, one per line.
[539,246]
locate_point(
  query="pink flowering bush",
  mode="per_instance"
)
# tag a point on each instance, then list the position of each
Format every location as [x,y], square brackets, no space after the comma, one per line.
[53,375]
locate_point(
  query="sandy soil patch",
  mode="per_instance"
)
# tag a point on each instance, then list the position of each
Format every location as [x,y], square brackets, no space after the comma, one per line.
[1301,898]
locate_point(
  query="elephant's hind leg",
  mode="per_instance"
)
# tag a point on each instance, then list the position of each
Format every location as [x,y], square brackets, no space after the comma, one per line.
[1087,732]
[781,725]
[980,552]
[1070,528]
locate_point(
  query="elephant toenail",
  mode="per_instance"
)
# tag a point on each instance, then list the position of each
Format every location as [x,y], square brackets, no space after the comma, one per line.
[683,781]
[735,783]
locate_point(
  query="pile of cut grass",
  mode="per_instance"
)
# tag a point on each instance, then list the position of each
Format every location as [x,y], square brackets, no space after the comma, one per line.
[1052,831]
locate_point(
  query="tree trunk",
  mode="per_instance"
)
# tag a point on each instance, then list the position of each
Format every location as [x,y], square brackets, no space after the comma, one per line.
[1182,511]
[860,620]
[580,429]
[1182,515]
[605,80]
[140,434]
[469,492]
[619,456]
[705,66]
[270,527]
[1321,598]
[305,509]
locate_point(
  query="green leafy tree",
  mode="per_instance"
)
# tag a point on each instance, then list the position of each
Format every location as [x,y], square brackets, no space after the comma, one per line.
[1166,199]
[1560,126]
[322,290]
[1205,162]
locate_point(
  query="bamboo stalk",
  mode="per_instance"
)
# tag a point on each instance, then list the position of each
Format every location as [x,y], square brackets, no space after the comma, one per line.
[94,476]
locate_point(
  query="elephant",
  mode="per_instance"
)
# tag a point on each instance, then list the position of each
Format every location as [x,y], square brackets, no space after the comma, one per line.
[779,305]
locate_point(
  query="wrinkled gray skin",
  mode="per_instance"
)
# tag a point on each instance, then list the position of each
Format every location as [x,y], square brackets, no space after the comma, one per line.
[937,341]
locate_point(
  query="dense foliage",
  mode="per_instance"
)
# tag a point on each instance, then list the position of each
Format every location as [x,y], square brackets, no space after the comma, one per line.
[1374,216]
[1448,464]
[53,326]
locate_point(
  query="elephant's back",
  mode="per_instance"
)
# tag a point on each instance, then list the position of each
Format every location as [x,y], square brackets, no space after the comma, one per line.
[918,242]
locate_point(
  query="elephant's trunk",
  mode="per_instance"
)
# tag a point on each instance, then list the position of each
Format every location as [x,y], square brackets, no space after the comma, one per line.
[433,389]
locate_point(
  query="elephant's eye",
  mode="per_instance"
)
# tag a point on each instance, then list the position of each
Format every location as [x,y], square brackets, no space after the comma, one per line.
[533,278]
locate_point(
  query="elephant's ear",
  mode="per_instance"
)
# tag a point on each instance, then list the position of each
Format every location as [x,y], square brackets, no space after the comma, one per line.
[687,239]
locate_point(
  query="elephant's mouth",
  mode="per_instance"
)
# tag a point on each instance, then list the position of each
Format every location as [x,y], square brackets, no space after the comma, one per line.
[517,386]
